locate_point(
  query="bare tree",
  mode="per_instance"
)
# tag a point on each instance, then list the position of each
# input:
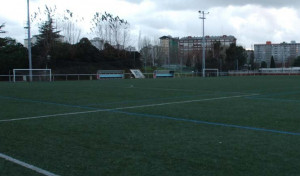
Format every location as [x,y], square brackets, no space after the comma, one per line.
[70,29]
[146,51]
[43,15]
[151,51]
[114,24]
[112,30]
[126,35]
[157,53]
[66,23]
[100,27]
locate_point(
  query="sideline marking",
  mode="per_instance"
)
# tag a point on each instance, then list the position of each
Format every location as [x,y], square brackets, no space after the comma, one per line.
[122,108]
[181,90]
[209,123]
[275,99]
[28,166]
[167,89]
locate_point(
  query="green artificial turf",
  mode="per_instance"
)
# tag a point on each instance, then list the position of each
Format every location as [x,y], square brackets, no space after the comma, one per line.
[153,126]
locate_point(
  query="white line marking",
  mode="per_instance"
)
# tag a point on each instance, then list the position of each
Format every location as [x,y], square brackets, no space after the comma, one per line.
[181,90]
[168,89]
[165,89]
[122,108]
[28,166]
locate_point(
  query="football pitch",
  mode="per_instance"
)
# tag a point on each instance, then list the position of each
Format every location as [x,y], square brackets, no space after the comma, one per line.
[174,127]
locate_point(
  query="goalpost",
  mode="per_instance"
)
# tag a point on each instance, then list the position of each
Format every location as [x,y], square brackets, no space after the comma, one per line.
[36,74]
[211,72]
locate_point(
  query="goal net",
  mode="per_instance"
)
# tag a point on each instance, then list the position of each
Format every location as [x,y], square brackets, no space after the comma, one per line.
[32,75]
[211,72]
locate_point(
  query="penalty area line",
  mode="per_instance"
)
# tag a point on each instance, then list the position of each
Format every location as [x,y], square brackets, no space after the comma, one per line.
[26,165]
[123,108]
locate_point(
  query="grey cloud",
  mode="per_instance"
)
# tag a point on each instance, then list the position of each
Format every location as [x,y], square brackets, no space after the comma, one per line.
[13,30]
[156,21]
[206,4]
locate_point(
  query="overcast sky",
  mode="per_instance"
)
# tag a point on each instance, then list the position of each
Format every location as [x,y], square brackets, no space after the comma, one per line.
[250,21]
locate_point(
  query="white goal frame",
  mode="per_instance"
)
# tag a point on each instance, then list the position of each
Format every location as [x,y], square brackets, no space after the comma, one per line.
[30,73]
[211,69]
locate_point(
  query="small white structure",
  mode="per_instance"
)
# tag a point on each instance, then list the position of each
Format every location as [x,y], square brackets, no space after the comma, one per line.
[137,73]
[98,43]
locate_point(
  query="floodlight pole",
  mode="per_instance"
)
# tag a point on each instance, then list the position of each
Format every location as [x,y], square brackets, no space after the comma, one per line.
[203,41]
[283,57]
[29,43]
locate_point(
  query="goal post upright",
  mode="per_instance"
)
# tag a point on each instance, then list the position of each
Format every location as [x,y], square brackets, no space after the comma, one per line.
[29,42]
[50,76]
[14,73]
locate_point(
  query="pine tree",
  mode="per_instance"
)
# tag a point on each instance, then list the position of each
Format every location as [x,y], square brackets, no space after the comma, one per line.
[46,41]
[272,64]
[297,62]
[263,64]
[47,37]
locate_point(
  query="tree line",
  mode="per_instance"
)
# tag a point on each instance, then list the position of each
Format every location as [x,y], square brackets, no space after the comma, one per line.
[62,57]
[65,51]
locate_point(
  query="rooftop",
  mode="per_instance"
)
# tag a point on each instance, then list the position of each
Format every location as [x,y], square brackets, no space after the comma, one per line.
[210,37]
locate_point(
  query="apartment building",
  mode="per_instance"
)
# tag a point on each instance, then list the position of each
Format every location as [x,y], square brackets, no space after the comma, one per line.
[191,47]
[170,48]
[195,43]
[177,51]
[283,53]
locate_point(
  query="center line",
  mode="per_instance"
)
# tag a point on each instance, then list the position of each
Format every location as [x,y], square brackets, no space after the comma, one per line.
[122,108]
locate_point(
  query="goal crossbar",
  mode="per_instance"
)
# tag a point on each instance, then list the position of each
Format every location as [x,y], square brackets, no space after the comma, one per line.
[30,73]
[211,69]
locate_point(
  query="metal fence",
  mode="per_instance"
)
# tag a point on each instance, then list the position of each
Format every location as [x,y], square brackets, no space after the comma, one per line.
[79,77]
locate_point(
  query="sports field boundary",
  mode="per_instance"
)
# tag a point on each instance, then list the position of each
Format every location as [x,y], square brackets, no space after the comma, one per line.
[26,165]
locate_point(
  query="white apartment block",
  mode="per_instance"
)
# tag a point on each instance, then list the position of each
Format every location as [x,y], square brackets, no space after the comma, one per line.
[282,53]
[34,40]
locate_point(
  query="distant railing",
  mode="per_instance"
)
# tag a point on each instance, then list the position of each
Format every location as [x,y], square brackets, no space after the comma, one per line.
[6,78]
[269,71]
[73,77]
[79,77]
